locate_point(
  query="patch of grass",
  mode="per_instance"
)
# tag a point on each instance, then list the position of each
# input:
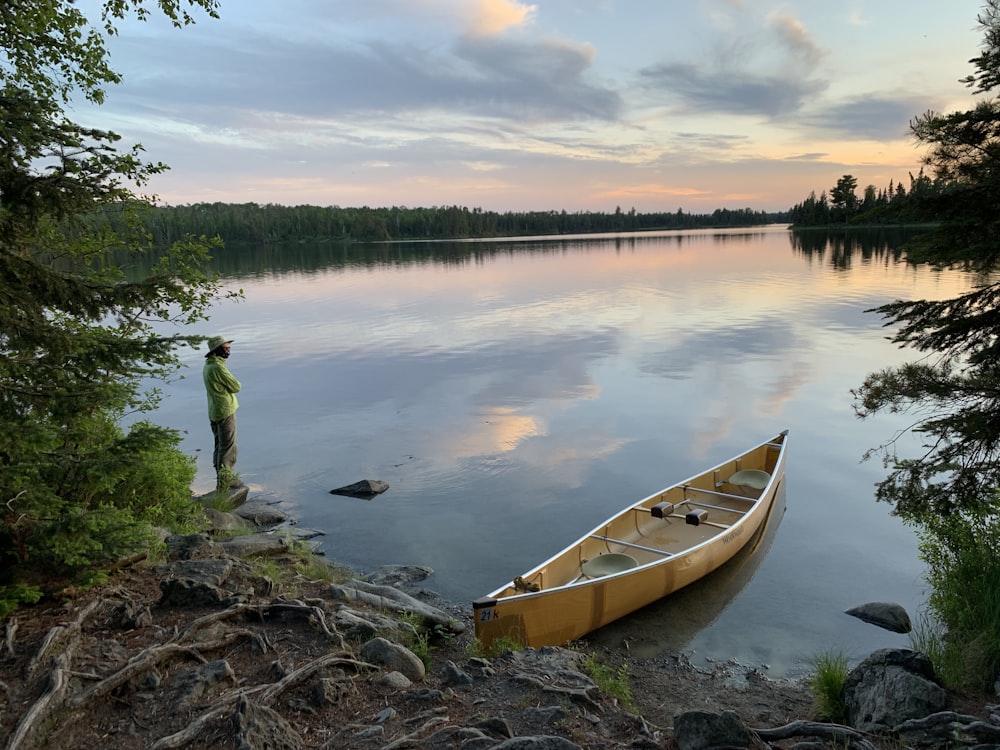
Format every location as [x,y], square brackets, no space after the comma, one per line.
[419,640]
[827,685]
[963,568]
[314,567]
[499,646]
[611,681]
[269,568]
[954,660]
[223,534]
[220,499]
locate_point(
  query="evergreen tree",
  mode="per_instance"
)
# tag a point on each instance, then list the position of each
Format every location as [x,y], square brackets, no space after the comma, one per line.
[843,198]
[955,387]
[78,339]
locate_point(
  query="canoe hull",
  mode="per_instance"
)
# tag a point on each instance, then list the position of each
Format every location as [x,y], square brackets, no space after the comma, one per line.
[670,553]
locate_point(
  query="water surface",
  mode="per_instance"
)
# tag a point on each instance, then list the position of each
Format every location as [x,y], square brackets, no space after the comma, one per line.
[516,393]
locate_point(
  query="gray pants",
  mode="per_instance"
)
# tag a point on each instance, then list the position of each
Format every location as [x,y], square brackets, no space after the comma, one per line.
[224,455]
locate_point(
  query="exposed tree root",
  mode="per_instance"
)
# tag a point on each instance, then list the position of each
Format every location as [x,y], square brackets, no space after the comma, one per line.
[149,658]
[413,738]
[60,638]
[835,732]
[44,707]
[65,639]
[265,696]
[948,723]
[10,630]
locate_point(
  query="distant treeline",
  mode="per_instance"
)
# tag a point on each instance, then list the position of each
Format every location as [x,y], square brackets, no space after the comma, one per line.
[894,204]
[251,222]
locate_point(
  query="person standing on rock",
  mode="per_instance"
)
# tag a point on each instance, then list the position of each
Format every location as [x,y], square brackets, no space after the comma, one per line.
[222,388]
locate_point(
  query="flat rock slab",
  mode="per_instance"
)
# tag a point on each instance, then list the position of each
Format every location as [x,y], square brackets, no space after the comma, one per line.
[300,533]
[398,575]
[256,545]
[366,489]
[393,600]
[261,513]
[236,497]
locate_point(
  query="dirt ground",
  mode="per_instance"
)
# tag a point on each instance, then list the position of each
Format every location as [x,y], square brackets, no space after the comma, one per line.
[258,652]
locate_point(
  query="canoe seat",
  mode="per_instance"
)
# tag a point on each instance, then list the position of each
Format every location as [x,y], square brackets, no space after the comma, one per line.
[696,517]
[661,510]
[606,564]
[753,478]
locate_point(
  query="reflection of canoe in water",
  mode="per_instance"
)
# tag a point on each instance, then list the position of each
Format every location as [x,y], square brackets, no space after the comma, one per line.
[648,550]
[670,624]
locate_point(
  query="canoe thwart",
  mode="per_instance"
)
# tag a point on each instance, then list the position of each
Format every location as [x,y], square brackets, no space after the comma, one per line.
[633,545]
[753,478]
[662,510]
[608,563]
[696,517]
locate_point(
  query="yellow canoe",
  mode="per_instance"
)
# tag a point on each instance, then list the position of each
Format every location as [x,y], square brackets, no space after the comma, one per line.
[643,553]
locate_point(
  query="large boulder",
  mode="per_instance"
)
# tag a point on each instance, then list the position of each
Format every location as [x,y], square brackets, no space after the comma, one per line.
[194,583]
[395,657]
[697,730]
[889,687]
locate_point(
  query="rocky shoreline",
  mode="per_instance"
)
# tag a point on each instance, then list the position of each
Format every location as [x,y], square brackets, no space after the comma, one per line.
[242,640]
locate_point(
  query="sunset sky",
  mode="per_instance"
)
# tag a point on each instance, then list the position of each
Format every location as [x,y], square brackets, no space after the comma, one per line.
[557,104]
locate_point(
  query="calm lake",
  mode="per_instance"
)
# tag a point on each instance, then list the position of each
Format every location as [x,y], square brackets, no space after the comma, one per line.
[515,393]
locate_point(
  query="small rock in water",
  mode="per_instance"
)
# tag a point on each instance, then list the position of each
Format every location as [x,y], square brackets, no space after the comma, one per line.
[366,489]
[884,614]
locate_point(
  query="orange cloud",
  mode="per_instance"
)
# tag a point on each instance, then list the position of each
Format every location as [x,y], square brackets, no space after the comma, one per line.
[632,191]
[492,17]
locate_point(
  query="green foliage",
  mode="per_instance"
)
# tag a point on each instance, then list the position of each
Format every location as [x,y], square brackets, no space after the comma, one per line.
[611,681]
[949,491]
[12,597]
[963,569]
[98,502]
[894,204]
[50,47]
[827,685]
[929,638]
[257,224]
[953,389]
[79,340]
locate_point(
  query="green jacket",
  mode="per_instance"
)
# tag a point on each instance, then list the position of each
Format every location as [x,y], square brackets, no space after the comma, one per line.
[222,388]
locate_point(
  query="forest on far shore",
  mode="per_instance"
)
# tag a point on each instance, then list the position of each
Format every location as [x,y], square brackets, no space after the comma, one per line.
[895,204]
[251,222]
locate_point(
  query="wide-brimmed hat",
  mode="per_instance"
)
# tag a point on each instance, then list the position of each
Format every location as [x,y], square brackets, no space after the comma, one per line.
[216,341]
